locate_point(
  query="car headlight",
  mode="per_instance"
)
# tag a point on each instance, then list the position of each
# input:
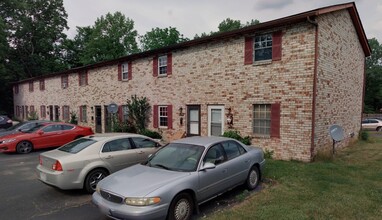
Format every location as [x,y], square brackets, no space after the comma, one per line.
[8,141]
[134,201]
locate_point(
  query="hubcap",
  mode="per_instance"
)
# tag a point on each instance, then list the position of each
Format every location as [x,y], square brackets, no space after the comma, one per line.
[24,147]
[95,179]
[182,209]
[253,178]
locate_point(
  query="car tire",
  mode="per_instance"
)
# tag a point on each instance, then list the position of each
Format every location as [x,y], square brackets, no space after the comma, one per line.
[253,178]
[379,129]
[181,207]
[24,147]
[93,178]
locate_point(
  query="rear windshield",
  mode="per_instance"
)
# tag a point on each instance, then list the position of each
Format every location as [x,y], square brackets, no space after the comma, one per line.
[77,145]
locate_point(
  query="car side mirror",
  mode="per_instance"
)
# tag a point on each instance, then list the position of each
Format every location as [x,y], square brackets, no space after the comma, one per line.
[207,166]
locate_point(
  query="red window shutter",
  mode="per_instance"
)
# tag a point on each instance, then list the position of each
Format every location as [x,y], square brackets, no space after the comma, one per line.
[63,112]
[169,116]
[120,114]
[155,66]
[169,63]
[155,116]
[275,120]
[119,72]
[248,50]
[276,45]
[130,77]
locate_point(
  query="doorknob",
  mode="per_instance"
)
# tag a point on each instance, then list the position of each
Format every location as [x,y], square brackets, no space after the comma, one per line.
[109,157]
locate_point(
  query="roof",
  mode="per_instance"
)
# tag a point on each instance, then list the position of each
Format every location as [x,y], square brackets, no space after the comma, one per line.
[305,16]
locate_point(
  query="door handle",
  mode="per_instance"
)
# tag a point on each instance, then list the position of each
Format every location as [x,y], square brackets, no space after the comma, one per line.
[141,152]
[109,157]
[224,171]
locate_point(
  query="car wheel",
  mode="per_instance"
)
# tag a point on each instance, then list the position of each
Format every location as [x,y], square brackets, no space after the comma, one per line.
[253,178]
[93,178]
[24,147]
[379,129]
[181,207]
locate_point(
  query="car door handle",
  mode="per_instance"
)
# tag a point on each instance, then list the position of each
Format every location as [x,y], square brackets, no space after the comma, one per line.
[140,152]
[247,161]
[109,157]
[224,171]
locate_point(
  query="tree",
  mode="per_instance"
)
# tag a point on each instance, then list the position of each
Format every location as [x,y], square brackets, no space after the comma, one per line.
[112,36]
[373,88]
[229,25]
[157,38]
[138,110]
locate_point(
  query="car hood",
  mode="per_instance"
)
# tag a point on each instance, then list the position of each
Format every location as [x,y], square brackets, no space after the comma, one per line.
[4,133]
[14,135]
[139,180]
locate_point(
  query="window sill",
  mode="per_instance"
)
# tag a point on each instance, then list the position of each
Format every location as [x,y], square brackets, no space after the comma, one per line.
[263,62]
[259,136]
[162,76]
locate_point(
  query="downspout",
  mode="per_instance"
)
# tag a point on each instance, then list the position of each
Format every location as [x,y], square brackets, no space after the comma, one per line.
[313,22]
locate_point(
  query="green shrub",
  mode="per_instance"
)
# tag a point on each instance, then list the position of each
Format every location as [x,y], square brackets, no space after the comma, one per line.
[124,127]
[268,154]
[236,135]
[32,115]
[152,134]
[73,118]
[364,135]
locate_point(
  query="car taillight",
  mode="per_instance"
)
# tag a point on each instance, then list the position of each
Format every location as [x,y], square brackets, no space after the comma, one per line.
[57,166]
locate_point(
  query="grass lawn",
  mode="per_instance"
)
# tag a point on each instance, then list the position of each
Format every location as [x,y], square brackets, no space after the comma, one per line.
[349,186]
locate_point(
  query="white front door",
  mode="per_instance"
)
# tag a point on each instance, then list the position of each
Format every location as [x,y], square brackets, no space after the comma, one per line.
[215,120]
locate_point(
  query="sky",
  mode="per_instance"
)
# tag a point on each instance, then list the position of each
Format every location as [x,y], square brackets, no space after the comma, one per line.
[191,17]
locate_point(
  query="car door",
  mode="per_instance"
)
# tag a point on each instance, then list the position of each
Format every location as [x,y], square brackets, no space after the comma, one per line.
[144,147]
[65,133]
[48,136]
[213,181]
[118,154]
[238,164]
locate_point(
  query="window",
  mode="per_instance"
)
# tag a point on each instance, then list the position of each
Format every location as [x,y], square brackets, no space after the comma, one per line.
[51,128]
[162,116]
[162,65]
[83,113]
[214,155]
[262,119]
[123,113]
[18,111]
[163,120]
[143,142]
[83,78]
[232,149]
[117,145]
[263,47]
[26,111]
[266,119]
[64,81]
[42,84]
[42,111]
[65,113]
[31,86]
[125,71]
[32,109]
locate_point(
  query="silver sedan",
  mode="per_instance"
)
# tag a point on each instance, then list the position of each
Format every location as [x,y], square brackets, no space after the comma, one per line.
[179,177]
[84,162]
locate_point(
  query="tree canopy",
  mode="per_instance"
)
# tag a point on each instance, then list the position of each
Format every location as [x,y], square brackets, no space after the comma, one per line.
[157,38]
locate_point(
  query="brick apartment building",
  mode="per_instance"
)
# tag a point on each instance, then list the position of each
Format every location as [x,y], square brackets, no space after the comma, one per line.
[282,82]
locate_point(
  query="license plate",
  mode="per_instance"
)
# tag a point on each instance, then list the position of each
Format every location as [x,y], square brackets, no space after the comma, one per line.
[43,176]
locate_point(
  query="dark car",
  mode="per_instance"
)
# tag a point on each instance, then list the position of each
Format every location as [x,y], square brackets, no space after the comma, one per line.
[22,126]
[5,122]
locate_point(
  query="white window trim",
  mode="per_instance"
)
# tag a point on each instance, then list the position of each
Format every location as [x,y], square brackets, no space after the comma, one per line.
[210,108]
[159,116]
[159,65]
[125,69]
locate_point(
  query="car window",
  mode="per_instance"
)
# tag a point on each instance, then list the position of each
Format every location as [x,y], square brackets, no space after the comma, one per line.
[52,128]
[77,145]
[1,118]
[373,121]
[67,127]
[214,155]
[232,149]
[117,145]
[143,142]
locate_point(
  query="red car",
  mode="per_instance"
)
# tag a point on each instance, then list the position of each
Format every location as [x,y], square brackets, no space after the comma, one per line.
[43,136]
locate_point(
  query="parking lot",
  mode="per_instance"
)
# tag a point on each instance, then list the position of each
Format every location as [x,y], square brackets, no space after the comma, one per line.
[25,197]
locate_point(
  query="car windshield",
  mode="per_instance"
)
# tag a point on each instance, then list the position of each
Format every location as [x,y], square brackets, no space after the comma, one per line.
[16,126]
[77,145]
[177,157]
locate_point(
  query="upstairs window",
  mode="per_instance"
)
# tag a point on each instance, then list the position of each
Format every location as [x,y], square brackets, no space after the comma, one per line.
[125,71]
[42,84]
[31,86]
[83,78]
[263,47]
[64,81]
[162,65]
